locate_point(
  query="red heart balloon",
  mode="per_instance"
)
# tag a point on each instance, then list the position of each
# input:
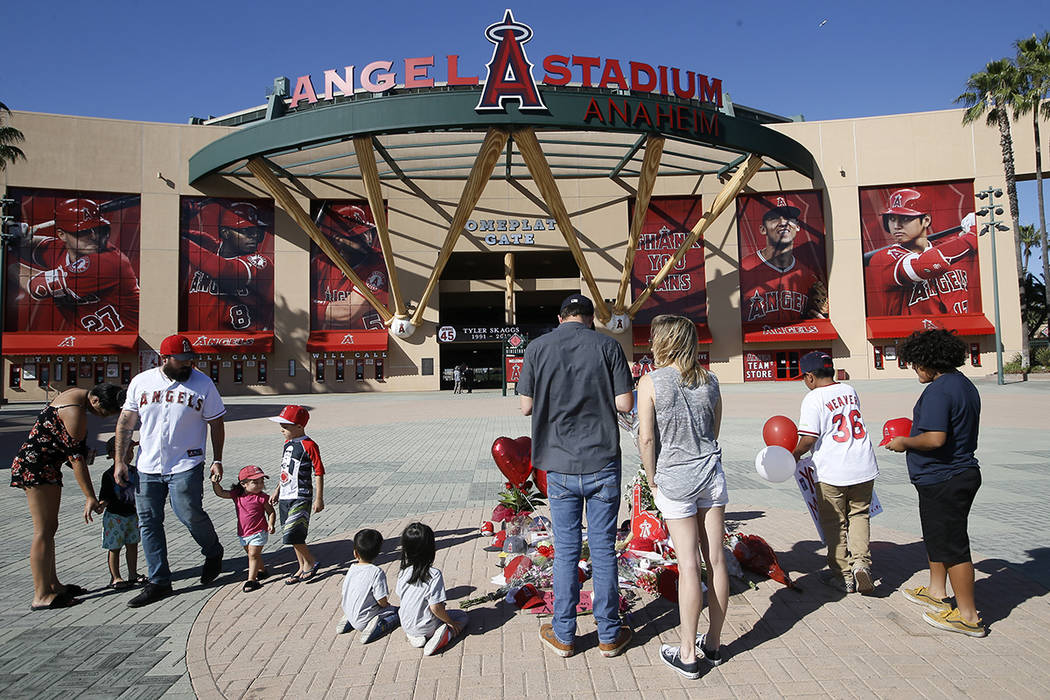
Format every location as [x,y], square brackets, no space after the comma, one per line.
[514,458]
[540,477]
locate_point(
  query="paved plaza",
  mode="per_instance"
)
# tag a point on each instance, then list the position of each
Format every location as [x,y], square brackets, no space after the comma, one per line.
[391,458]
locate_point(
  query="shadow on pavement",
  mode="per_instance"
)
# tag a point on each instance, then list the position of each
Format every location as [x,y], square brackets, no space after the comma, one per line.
[1007,585]
[255,409]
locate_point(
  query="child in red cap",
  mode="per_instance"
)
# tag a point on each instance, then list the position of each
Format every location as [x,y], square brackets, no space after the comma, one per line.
[255,518]
[301,491]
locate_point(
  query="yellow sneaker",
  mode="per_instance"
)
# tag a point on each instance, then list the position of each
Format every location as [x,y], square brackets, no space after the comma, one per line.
[952,621]
[921,595]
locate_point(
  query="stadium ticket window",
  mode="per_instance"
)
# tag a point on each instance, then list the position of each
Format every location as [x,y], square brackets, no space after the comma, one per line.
[238,371]
[262,371]
[14,377]
[214,372]
[57,373]
[359,371]
[379,370]
[340,369]
[100,372]
[319,369]
[125,373]
[787,365]
[975,354]
[44,376]
[71,374]
[85,370]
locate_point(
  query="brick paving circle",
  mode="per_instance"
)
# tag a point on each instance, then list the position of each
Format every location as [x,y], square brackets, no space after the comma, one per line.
[281,640]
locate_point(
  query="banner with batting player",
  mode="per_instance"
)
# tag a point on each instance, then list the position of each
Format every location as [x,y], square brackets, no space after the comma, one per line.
[335,305]
[226,273]
[920,250]
[668,222]
[783,267]
[73,272]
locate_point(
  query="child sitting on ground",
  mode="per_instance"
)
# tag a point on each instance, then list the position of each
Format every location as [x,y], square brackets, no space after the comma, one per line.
[255,519]
[120,522]
[301,490]
[421,589]
[365,591]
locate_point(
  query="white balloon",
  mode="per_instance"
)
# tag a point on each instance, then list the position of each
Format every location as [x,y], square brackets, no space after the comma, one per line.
[401,328]
[775,463]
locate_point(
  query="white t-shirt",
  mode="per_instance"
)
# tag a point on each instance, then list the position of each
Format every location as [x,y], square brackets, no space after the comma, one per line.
[416,599]
[174,419]
[843,455]
[364,585]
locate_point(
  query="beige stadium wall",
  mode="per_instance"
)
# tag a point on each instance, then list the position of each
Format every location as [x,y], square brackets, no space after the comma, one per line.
[79,153]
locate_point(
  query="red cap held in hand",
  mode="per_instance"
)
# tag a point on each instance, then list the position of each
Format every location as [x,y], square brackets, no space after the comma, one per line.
[895,427]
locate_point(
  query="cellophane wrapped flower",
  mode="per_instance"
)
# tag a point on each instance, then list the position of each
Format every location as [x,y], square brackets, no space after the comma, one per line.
[647,582]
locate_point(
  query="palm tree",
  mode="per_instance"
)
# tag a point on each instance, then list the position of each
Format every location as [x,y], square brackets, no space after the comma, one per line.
[1033,58]
[1029,240]
[995,92]
[9,135]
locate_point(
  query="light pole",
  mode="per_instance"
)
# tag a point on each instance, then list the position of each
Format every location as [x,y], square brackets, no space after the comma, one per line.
[991,227]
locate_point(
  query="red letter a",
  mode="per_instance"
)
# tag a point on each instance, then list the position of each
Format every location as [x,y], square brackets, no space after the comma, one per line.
[509,71]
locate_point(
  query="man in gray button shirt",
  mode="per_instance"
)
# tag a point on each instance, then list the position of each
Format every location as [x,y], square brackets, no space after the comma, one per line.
[573,382]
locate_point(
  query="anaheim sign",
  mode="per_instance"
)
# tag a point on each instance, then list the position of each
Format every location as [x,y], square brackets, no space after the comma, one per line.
[509,75]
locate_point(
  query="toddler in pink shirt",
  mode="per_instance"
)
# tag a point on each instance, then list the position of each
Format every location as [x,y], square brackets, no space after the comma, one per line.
[255,519]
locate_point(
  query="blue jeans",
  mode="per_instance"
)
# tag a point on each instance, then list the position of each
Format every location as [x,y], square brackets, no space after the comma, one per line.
[186,492]
[568,493]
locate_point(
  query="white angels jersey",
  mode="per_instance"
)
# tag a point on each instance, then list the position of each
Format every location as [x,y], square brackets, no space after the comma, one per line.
[843,454]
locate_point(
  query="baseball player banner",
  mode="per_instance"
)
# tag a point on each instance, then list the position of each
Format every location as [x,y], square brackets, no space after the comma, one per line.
[335,303]
[920,250]
[226,274]
[668,222]
[783,267]
[72,272]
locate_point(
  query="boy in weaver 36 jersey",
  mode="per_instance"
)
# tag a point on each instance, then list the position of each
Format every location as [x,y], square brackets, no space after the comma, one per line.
[832,427]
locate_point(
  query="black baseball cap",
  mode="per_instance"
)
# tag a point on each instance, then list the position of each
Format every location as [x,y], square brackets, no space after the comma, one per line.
[816,360]
[578,304]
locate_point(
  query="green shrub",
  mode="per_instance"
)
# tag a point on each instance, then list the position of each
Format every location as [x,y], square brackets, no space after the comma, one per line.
[1042,356]
[1014,365]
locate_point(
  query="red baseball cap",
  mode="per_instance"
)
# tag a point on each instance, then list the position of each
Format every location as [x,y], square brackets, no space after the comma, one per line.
[895,427]
[240,215]
[177,346]
[781,205]
[296,415]
[78,215]
[251,472]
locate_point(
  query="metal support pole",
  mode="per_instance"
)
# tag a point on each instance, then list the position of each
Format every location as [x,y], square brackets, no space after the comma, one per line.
[992,227]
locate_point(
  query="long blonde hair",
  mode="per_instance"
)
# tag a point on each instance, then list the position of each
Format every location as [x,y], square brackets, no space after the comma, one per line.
[674,342]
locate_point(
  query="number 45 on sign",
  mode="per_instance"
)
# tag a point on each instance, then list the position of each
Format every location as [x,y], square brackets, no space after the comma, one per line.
[806,476]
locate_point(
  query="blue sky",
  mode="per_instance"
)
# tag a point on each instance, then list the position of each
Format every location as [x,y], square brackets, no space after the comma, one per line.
[169,61]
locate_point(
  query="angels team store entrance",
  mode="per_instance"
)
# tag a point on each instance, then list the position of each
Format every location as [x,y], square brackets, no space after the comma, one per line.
[486,297]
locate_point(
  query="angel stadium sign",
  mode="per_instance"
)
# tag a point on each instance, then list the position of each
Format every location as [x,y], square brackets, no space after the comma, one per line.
[509,77]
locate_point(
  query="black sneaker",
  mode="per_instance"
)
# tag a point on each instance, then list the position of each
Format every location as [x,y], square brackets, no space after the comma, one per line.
[211,569]
[672,656]
[151,593]
[712,657]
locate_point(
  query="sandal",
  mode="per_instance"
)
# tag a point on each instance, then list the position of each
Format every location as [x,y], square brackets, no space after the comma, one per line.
[60,601]
[307,575]
[264,573]
[74,590]
[250,586]
[120,585]
[292,580]
[140,580]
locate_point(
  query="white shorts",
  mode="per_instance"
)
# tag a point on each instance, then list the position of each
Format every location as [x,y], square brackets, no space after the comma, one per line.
[716,494]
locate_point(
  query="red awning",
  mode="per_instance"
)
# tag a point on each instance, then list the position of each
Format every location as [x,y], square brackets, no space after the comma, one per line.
[348,341]
[215,342]
[75,343]
[903,326]
[641,335]
[815,329]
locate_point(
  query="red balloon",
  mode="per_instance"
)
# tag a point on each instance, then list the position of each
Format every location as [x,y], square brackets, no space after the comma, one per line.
[540,477]
[781,430]
[514,458]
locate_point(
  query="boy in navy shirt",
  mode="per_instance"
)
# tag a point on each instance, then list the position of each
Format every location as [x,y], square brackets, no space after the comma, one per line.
[944,470]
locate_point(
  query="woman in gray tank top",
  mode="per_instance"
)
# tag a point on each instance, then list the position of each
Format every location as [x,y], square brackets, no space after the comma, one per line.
[679,414]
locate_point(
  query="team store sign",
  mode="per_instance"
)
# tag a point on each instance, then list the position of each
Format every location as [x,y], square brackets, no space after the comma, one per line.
[509,76]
